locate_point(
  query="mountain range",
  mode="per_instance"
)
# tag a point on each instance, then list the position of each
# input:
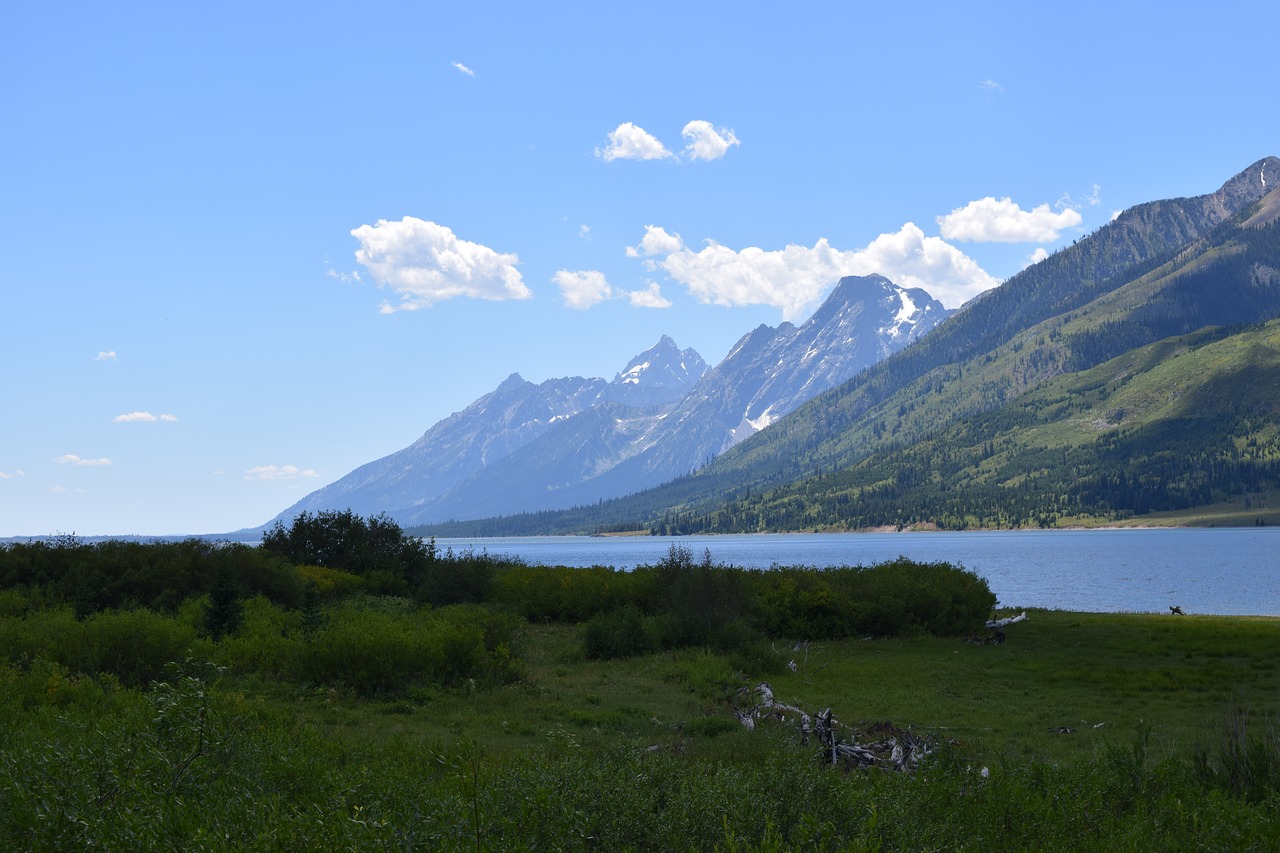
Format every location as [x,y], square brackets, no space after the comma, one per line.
[565,442]
[1136,371]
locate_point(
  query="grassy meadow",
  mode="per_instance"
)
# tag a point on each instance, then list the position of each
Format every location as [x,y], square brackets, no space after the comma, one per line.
[509,707]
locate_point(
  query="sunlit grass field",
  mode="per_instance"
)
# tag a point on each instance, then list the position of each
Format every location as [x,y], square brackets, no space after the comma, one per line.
[1107,677]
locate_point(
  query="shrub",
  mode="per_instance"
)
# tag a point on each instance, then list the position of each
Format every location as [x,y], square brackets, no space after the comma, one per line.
[617,634]
[373,547]
[376,652]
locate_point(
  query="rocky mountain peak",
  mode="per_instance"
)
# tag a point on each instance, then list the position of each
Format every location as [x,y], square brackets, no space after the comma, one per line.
[660,375]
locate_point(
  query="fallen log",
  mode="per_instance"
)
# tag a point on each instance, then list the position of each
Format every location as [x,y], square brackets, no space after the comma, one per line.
[1001,623]
[895,749]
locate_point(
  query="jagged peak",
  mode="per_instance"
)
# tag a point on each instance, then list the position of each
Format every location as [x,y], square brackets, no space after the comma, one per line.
[511,383]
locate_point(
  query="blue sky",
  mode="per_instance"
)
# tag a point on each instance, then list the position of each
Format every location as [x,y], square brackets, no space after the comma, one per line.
[249,247]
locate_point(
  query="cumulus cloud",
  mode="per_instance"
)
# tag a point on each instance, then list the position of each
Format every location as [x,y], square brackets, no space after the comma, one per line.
[278,472]
[650,297]
[583,288]
[72,459]
[991,220]
[911,259]
[142,417]
[630,142]
[464,69]
[707,142]
[18,472]
[106,355]
[794,279]
[1038,255]
[425,263]
[656,242]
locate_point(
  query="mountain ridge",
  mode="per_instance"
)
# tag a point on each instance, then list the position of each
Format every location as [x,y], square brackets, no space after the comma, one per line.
[1159,269]
[576,440]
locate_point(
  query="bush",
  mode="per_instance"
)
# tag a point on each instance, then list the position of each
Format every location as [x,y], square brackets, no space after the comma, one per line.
[375,548]
[376,652]
[617,634]
[133,645]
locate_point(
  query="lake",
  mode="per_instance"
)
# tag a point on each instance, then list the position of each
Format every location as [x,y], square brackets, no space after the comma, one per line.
[1228,571]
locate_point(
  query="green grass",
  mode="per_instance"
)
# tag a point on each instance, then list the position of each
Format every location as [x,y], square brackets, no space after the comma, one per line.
[1107,676]
[644,753]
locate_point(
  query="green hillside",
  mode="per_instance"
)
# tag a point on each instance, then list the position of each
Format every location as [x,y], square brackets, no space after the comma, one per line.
[1187,422]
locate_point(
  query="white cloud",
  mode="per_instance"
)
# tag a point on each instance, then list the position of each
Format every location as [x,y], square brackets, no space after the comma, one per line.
[794,279]
[18,472]
[656,242]
[344,277]
[629,142]
[278,472]
[910,259]
[142,417]
[426,263]
[1038,255]
[584,231]
[464,69]
[707,142]
[583,288]
[990,220]
[72,459]
[990,85]
[650,297]
[106,355]
[1094,198]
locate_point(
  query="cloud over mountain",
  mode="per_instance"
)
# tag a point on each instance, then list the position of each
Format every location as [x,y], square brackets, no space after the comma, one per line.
[794,278]
[991,220]
[425,263]
[581,289]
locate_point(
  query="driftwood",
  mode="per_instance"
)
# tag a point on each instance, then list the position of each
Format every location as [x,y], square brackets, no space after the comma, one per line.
[881,745]
[997,627]
[1001,623]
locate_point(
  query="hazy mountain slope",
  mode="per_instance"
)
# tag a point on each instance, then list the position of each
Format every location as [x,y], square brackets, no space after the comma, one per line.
[497,425]
[766,375]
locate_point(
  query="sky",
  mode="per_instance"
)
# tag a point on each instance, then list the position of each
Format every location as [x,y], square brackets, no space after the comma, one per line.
[246,248]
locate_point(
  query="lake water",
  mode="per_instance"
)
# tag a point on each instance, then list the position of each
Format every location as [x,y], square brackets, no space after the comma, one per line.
[1233,571]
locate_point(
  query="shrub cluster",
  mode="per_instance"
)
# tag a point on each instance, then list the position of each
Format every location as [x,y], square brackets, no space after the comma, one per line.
[301,605]
[680,603]
[127,575]
[370,646]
